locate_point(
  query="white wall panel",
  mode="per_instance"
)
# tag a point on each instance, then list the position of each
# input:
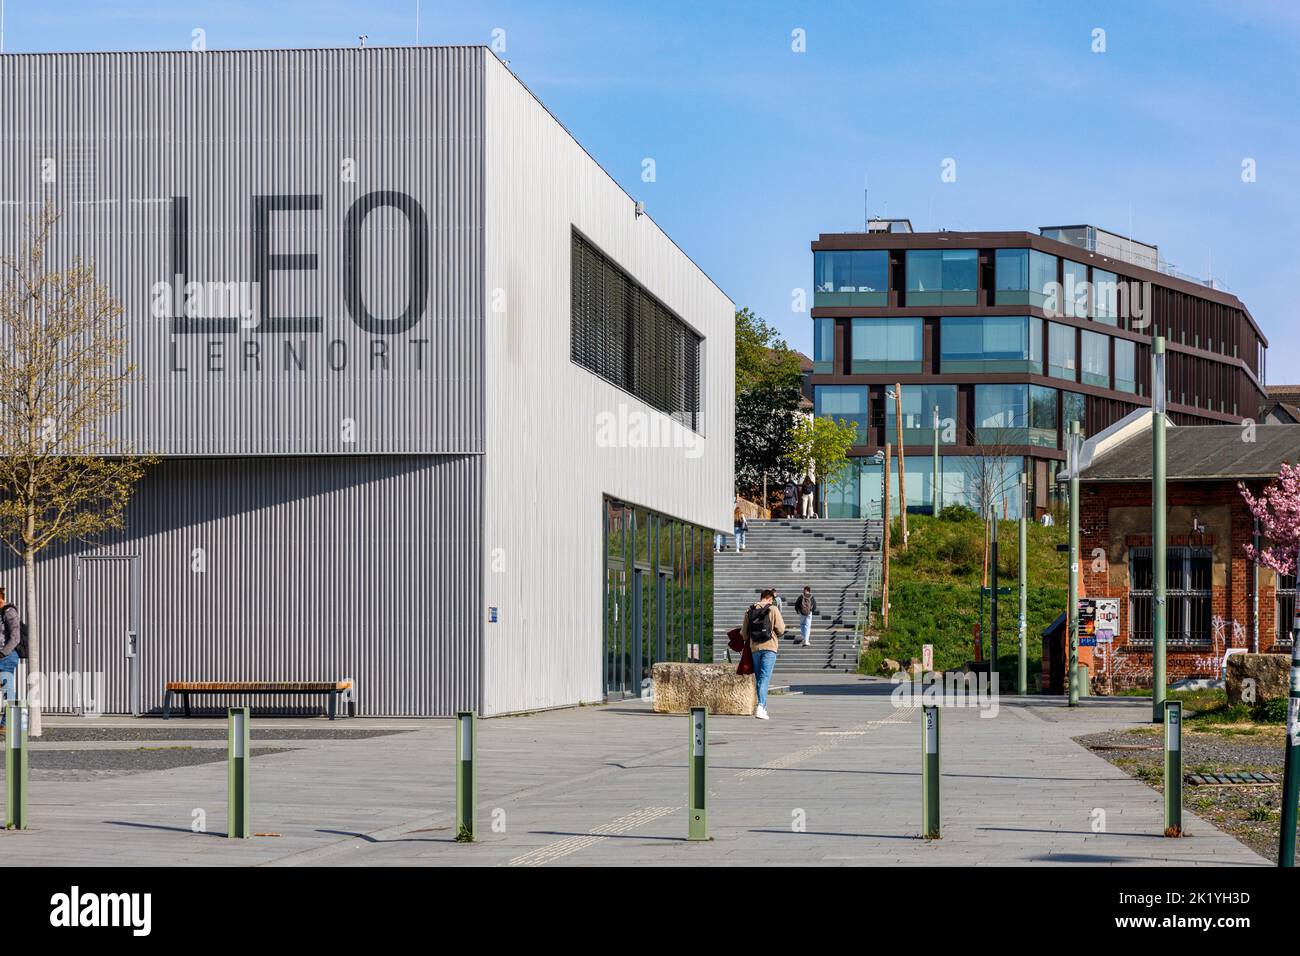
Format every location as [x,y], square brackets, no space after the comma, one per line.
[546,469]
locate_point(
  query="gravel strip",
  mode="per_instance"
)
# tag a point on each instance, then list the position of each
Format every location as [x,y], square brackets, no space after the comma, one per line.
[1249,813]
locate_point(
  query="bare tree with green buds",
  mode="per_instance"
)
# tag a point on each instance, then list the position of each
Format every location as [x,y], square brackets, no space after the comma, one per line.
[62,372]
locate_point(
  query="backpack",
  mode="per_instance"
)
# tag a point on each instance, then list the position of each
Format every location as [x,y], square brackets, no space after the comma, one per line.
[804,604]
[759,620]
[22,631]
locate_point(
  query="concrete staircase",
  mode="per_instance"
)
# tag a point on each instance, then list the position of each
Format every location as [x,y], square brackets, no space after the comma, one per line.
[836,556]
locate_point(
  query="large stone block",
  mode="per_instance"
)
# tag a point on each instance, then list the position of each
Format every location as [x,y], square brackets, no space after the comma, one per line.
[679,687]
[1270,673]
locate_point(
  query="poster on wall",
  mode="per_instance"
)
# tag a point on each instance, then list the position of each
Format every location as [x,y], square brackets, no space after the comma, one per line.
[1107,622]
[1087,622]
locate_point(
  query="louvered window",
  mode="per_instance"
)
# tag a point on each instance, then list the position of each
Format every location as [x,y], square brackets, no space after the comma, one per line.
[628,337]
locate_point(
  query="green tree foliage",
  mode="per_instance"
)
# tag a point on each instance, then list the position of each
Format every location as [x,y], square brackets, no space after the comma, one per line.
[821,445]
[763,358]
[767,402]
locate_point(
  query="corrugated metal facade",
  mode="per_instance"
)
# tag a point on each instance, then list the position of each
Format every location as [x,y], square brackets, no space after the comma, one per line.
[364,143]
[283,569]
[559,437]
[377,568]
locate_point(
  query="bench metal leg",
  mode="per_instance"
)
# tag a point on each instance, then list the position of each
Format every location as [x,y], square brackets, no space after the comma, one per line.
[186,699]
[167,706]
[333,702]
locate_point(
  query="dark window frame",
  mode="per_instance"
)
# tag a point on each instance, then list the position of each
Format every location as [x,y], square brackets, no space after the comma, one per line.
[1189,611]
[621,332]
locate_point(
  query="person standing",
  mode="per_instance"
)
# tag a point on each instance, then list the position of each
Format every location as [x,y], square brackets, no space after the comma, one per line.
[808,490]
[806,605]
[11,635]
[763,628]
[740,526]
[790,499]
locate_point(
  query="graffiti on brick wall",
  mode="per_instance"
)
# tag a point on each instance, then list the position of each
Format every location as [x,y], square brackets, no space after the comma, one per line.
[1125,670]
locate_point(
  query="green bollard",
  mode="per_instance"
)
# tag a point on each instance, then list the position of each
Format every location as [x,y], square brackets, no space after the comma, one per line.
[1173,768]
[466,775]
[16,765]
[698,775]
[930,773]
[239,754]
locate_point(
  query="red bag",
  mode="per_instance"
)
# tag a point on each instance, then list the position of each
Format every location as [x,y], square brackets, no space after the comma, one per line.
[746,665]
[734,639]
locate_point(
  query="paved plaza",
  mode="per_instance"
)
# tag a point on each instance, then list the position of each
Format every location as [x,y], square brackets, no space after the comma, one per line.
[833,778]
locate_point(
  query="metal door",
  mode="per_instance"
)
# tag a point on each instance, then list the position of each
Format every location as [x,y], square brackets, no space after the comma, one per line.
[106,632]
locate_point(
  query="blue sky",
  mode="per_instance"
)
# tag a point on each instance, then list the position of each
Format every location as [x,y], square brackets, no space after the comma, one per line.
[758,148]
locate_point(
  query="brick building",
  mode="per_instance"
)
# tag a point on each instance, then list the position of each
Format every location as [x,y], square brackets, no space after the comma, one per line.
[1217,598]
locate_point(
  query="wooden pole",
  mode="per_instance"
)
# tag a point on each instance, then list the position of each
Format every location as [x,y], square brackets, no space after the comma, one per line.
[884,586]
[902,477]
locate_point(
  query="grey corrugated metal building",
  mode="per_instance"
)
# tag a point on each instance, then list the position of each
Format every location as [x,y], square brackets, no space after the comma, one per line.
[347,280]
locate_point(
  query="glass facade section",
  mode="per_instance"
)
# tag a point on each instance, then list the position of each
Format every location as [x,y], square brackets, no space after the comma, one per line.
[887,345]
[852,277]
[843,402]
[978,482]
[1074,408]
[1011,276]
[1074,289]
[1001,415]
[823,346]
[942,276]
[919,402]
[1105,297]
[1095,367]
[658,595]
[991,343]
[1060,351]
[1125,365]
[1042,416]
[1042,278]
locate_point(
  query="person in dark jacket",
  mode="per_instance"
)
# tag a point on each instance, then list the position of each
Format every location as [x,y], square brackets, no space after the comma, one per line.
[763,627]
[11,632]
[806,605]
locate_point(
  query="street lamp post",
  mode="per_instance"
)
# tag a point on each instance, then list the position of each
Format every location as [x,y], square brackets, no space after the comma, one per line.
[1158,541]
[934,479]
[1072,673]
[1022,678]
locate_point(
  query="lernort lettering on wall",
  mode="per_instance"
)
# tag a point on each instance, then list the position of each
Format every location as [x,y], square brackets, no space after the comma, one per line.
[296,248]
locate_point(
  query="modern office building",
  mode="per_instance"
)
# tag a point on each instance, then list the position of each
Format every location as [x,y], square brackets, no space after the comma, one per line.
[461,427]
[1011,336]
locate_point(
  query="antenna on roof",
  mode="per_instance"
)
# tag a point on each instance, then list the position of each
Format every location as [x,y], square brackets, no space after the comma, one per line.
[866,215]
[363,39]
[417,22]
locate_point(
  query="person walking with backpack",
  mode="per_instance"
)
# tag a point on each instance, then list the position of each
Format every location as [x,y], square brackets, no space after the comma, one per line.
[762,628]
[806,605]
[11,637]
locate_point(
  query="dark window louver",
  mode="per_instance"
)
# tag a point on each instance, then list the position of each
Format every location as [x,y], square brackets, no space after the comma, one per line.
[625,335]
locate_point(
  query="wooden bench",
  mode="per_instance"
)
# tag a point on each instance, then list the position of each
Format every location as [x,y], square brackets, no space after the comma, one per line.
[330,688]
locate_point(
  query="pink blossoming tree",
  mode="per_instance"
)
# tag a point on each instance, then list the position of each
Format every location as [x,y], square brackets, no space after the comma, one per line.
[1278,511]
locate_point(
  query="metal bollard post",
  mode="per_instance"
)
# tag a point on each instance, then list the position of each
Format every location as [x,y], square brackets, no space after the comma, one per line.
[239,754]
[930,773]
[1173,768]
[466,775]
[698,775]
[16,765]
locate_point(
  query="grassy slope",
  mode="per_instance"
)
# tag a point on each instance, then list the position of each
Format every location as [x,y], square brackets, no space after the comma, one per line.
[934,592]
